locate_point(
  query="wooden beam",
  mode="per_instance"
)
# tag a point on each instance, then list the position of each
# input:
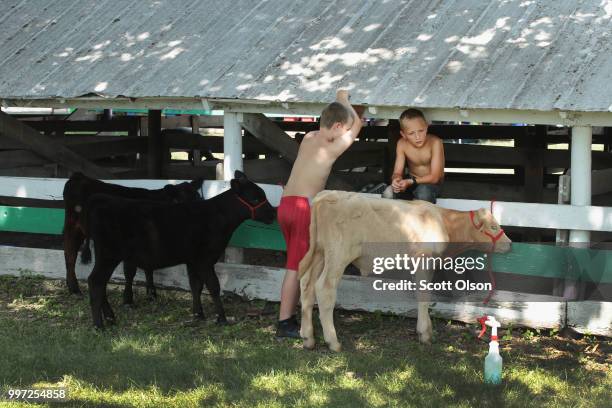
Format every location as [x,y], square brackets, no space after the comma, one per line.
[114,125]
[476,190]
[276,139]
[190,141]
[122,146]
[47,148]
[20,158]
[270,134]
[155,156]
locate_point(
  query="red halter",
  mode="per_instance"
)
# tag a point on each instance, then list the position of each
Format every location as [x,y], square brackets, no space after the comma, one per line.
[494,239]
[252,208]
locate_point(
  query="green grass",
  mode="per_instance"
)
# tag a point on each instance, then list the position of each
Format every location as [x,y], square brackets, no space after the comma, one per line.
[155,357]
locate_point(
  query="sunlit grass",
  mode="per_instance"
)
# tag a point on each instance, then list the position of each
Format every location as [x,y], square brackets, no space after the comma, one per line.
[155,357]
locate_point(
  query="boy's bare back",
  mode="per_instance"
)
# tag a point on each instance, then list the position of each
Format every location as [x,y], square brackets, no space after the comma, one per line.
[318,152]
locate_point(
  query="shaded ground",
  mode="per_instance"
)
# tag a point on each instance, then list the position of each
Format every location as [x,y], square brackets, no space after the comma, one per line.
[154,356]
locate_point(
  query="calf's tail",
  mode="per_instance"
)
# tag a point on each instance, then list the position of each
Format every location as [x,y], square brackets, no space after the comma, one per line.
[306,262]
[86,252]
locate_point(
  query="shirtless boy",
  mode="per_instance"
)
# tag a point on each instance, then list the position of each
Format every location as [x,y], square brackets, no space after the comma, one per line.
[340,125]
[424,154]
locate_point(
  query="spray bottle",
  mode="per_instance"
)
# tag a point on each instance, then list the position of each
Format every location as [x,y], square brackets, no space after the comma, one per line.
[493,361]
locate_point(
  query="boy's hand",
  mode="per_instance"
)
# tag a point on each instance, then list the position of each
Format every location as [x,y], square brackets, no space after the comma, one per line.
[342,95]
[399,185]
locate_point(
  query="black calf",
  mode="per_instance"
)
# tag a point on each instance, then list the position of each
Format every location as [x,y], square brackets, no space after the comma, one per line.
[152,235]
[77,191]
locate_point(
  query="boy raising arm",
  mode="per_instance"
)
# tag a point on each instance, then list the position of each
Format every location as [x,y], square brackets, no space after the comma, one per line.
[340,124]
[424,154]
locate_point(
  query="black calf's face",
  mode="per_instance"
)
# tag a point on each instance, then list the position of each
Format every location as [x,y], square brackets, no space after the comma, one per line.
[184,192]
[254,195]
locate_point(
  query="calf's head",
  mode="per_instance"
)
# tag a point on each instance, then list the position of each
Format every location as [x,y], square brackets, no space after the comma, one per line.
[486,230]
[184,192]
[253,198]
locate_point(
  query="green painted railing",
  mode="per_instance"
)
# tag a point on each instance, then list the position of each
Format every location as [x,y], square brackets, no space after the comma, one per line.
[251,234]
[525,259]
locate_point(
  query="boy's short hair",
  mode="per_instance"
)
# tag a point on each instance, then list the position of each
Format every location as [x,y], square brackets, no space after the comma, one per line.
[335,112]
[411,114]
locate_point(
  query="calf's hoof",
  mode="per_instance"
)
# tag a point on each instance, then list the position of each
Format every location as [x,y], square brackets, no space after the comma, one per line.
[222,321]
[425,338]
[335,347]
[309,344]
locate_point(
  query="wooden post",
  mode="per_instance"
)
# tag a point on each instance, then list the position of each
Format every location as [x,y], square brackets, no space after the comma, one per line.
[155,159]
[107,114]
[195,129]
[580,189]
[232,161]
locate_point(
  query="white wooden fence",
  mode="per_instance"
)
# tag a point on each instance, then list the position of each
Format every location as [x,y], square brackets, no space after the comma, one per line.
[354,292]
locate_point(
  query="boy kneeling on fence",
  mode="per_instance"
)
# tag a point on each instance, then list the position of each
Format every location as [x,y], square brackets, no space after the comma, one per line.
[423,153]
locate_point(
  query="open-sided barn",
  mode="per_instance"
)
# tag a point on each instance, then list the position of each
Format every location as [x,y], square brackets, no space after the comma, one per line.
[546,64]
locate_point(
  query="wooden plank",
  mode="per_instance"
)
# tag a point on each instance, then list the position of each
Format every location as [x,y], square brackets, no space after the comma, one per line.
[352,159]
[190,141]
[261,282]
[270,134]
[601,181]
[276,139]
[503,192]
[47,148]
[20,158]
[114,125]
[11,144]
[32,171]
[123,146]
[590,317]
[533,215]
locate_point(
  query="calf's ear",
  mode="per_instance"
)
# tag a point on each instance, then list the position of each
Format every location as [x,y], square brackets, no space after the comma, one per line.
[480,216]
[239,175]
[197,183]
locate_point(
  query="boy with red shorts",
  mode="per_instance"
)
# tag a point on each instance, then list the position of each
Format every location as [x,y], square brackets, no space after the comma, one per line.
[340,125]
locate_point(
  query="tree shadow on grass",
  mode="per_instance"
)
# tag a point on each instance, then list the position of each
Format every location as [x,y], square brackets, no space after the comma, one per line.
[150,349]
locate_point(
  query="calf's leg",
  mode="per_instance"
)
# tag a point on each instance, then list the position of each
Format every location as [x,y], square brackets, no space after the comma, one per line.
[307,298]
[151,293]
[424,326]
[326,288]
[73,239]
[97,281]
[196,285]
[129,271]
[212,284]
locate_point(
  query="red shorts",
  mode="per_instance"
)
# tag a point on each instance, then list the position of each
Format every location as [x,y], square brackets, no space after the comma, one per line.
[293,215]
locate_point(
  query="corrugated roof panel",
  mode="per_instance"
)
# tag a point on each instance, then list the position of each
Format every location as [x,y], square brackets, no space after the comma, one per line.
[516,54]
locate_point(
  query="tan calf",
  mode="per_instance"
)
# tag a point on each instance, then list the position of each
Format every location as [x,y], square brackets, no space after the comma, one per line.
[342,222]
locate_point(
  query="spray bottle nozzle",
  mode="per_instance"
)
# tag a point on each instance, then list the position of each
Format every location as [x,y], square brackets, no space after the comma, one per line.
[491,322]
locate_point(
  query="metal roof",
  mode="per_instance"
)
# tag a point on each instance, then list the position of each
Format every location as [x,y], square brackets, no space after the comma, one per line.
[502,54]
